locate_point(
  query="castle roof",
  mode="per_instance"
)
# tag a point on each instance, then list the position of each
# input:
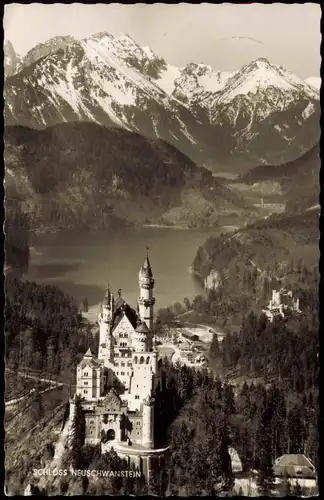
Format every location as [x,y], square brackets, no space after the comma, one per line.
[142,328]
[107,299]
[129,313]
[119,302]
[88,354]
[146,270]
[294,465]
[90,362]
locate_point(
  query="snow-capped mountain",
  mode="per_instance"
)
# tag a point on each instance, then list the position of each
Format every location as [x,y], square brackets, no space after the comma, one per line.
[263,103]
[197,80]
[44,49]
[11,58]
[261,113]
[314,81]
[102,79]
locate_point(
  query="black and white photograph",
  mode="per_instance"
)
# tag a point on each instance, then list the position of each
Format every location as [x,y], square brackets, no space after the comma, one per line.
[161,238]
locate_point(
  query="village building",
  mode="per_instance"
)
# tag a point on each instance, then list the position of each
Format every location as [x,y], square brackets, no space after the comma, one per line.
[297,469]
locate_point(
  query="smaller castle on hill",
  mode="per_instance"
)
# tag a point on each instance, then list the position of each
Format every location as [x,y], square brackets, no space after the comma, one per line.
[281,304]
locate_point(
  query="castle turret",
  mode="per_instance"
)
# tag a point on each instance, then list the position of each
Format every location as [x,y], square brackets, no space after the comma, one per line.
[146,300]
[105,322]
[148,422]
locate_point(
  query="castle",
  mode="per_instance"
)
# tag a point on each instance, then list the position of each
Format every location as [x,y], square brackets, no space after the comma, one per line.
[116,390]
[280,304]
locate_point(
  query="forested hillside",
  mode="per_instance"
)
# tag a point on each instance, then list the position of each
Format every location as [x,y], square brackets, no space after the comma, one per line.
[83,175]
[268,242]
[299,179]
[43,329]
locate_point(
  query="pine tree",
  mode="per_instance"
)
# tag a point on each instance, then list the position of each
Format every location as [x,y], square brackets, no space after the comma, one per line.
[214,351]
[266,475]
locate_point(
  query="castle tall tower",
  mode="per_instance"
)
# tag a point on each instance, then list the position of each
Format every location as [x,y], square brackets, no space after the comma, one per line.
[105,322]
[148,422]
[146,300]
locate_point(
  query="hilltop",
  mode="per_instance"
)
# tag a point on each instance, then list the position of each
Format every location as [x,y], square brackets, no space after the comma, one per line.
[267,242]
[298,180]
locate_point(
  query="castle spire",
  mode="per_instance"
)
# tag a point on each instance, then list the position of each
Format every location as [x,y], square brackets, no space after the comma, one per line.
[107,299]
[146,270]
[146,300]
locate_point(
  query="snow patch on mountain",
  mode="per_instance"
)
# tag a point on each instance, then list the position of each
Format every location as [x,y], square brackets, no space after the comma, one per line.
[314,82]
[309,110]
[214,81]
[100,53]
[167,78]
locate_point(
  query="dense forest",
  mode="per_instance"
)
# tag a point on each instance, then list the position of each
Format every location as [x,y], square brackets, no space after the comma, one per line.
[83,175]
[206,416]
[44,330]
[267,242]
[16,235]
[273,366]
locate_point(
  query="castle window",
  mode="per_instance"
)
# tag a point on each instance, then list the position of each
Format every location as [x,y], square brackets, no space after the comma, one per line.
[85,383]
[122,373]
[138,433]
[116,373]
[85,374]
[129,363]
[122,363]
[136,396]
[116,363]
[91,422]
[85,392]
[138,422]
[135,360]
[141,360]
[147,360]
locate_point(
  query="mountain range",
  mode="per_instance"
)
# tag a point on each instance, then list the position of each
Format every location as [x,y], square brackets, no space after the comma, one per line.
[261,113]
[84,175]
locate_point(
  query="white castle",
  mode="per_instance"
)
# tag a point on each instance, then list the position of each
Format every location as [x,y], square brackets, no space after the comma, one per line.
[281,303]
[117,388]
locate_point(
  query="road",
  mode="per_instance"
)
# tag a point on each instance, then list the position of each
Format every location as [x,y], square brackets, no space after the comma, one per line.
[53,383]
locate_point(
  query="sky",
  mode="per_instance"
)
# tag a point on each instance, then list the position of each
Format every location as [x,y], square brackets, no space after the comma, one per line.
[226,36]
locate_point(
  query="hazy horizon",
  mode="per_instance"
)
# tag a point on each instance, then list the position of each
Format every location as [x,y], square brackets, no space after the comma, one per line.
[227,35]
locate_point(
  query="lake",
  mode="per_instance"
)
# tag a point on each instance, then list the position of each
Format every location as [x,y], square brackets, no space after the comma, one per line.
[82,263]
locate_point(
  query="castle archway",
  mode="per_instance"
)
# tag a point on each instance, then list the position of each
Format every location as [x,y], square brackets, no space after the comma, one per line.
[110,434]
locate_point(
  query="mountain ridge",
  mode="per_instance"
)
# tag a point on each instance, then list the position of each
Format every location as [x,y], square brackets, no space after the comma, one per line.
[82,175]
[114,81]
